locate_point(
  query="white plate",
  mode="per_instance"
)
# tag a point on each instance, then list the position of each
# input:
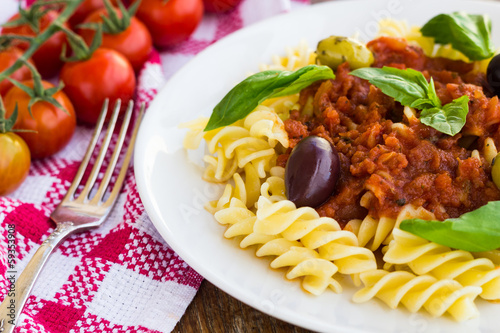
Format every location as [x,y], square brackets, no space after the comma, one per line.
[173,193]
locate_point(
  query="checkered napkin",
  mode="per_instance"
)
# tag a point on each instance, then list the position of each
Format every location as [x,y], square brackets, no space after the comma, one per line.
[121,277]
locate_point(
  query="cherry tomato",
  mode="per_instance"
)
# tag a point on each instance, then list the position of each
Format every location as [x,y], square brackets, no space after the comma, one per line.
[107,74]
[220,6]
[47,57]
[54,127]
[7,58]
[134,43]
[170,22]
[15,162]
[85,9]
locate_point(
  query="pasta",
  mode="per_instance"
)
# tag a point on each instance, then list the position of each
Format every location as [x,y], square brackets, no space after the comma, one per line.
[425,257]
[248,142]
[321,233]
[416,292]
[317,272]
[372,233]
[295,58]
[493,255]
[316,247]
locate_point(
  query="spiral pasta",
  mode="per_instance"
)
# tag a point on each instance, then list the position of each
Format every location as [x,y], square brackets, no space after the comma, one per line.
[372,232]
[315,232]
[425,257]
[294,59]
[249,141]
[416,292]
[493,255]
[489,150]
[317,272]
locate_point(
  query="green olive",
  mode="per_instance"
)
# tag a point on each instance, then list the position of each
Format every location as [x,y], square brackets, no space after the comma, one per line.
[334,51]
[495,170]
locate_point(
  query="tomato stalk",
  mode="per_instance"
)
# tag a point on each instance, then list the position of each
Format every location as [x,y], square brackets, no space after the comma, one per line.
[6,40]
[36,42]
[6,124]
[113,24]
[38,92]
[80,49]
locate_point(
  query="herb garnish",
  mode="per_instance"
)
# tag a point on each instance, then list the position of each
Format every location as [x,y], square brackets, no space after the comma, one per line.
[410,88]
[475,231]
[469,34]
[252,91]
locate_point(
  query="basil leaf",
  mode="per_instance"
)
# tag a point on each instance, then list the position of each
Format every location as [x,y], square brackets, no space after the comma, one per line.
[449,119]
[252,91]
[410,88]
[469,34]
[475,231]
[407,86]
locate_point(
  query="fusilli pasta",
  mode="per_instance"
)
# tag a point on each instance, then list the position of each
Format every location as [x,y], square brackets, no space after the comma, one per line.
[416,292]
[425,257]
[317,272]
[315,232]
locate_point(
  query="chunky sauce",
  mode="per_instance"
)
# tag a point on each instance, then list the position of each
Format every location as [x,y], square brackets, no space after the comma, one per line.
[402,164]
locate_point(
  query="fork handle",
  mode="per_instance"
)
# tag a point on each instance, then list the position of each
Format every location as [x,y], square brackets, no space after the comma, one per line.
[17,294]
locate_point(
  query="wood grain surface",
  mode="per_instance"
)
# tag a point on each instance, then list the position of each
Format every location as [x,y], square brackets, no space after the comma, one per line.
[214,311]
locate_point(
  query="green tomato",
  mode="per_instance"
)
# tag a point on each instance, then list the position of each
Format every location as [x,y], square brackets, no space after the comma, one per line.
[334,51]
[495,170]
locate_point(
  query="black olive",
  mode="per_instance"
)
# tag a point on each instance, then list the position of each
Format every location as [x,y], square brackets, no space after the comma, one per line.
[493,74]
[312,171]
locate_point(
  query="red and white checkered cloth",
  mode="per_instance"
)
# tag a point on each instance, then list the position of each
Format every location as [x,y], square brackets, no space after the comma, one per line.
[121,277]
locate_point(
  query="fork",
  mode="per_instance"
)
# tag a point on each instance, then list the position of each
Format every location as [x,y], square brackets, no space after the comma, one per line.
[86,210]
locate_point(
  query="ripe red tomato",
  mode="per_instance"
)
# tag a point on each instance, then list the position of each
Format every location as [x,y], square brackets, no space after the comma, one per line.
[107,74]
[7,58]
[220,6]
[85,9]
[54,127]
[14,162]
[134,43]
[47,57]
[170,22]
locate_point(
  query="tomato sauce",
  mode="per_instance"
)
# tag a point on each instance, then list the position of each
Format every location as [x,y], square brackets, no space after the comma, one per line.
[388,152]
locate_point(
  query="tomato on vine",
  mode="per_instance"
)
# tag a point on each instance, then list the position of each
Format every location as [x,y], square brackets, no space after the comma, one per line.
[86,8]
[88,82]
[15,159]
[14,162]
[8,57]
[122,32]
[47,57]
[50,119]
[170,22]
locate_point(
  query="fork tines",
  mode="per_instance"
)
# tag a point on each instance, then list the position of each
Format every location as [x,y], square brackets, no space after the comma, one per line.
[87,195]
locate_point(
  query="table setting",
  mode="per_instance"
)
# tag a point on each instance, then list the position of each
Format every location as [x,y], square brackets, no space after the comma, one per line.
[152,258]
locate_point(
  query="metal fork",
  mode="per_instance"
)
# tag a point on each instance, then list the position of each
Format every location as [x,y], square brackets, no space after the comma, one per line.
[86,210]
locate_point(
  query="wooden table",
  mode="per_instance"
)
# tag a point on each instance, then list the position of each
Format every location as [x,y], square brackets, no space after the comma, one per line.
[214,311]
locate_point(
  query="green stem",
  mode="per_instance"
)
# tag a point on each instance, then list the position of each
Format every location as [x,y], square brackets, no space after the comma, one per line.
[41,38]
[49,3]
